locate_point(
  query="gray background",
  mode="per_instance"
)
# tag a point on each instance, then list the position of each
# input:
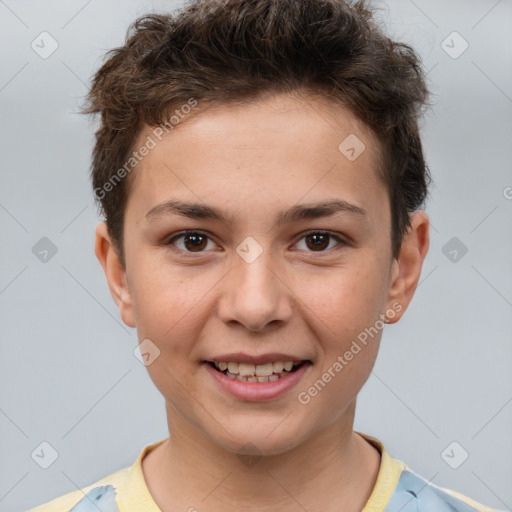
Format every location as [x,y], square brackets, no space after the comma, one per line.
[68,373]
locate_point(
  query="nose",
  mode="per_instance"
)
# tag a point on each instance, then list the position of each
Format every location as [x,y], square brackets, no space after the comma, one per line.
[256,296]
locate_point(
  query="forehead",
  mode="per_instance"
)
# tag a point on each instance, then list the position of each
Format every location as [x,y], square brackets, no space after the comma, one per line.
[271,151]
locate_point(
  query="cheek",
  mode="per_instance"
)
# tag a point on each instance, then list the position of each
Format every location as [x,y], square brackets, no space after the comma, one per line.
[346,301]
[166,300]
[349,330]
[169,313]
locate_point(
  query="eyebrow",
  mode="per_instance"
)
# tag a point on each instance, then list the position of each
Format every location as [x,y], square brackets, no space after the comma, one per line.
[293,214]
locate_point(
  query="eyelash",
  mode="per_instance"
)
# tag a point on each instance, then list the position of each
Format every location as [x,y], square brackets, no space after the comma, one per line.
[183,234]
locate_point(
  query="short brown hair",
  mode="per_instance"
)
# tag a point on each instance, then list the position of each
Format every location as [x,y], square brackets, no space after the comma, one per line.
[223,51]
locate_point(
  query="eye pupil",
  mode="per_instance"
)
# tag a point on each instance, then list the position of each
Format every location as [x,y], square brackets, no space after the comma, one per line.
[319,240]
[198,241]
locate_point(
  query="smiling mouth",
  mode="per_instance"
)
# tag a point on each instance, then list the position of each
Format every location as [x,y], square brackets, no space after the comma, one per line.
[269,372]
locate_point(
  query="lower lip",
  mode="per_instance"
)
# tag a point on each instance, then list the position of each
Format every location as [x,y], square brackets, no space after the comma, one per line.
[258,391]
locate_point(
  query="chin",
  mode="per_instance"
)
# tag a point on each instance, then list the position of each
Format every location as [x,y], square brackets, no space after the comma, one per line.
[249,438]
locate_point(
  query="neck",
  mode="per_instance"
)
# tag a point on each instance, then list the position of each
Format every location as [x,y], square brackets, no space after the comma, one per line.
[333,470]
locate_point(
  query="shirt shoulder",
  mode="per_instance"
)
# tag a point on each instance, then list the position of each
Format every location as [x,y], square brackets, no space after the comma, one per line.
[124,490]
[100,495]
[414,494]
[399,489]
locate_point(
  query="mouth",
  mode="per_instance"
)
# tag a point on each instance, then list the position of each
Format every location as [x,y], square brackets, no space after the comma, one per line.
[261,378]
[257,373]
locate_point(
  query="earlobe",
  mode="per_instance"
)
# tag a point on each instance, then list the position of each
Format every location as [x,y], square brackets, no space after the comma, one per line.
[115,273]
[406,269]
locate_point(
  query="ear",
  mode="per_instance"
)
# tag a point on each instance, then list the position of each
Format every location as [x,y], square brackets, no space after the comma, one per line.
[115,273]
[406,269]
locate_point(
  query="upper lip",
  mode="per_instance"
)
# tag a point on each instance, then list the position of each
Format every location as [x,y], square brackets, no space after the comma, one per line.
[241,357]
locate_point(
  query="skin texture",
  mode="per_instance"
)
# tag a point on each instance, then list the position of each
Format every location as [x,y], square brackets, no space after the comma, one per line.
[253,160]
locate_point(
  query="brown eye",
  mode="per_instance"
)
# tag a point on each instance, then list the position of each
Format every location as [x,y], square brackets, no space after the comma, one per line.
[195,242]
[192,241]
[319,241]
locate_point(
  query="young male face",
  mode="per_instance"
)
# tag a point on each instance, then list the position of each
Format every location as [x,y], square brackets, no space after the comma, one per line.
[256,286]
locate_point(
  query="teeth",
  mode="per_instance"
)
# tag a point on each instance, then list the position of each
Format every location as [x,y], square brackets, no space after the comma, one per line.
[278,367]
[258,370]
[270,378]
[264,370]
[246,369]
[233,367]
